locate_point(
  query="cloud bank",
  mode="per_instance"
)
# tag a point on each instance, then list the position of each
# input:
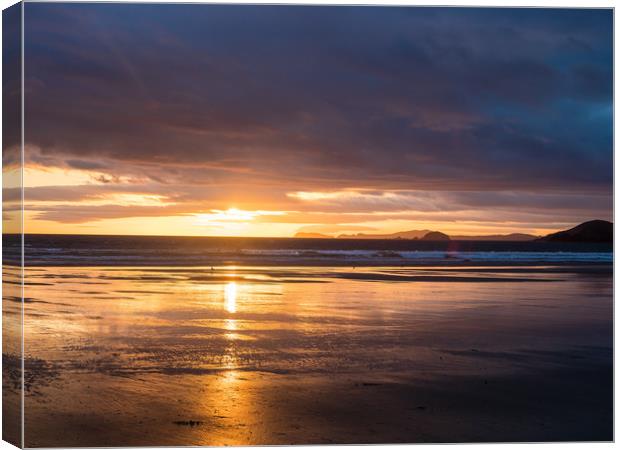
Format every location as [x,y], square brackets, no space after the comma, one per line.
[427,113]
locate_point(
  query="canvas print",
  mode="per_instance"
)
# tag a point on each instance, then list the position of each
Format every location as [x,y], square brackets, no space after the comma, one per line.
[286,224]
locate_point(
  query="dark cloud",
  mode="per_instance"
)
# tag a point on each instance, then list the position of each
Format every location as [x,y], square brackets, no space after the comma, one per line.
[11,87]
[85,165]
[319,98]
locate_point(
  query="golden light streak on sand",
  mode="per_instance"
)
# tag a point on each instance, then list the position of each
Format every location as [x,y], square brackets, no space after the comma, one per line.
[230,297]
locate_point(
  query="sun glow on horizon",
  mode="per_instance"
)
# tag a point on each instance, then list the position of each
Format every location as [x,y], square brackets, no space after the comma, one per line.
[96,204]
[229,215]
[218,216]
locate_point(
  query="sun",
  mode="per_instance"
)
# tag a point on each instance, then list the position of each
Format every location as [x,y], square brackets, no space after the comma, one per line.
[228,215]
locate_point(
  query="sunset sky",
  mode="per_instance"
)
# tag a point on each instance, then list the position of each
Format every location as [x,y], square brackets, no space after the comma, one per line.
[270,120]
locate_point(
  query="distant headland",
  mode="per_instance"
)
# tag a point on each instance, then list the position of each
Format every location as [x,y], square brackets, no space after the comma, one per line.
[591,231]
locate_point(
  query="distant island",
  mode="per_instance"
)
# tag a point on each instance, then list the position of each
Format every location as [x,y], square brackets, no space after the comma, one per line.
[591,231]
[412,234]
[301,234]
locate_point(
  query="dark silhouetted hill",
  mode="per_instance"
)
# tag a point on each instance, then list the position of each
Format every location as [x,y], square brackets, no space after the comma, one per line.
[436,236]
[592,231]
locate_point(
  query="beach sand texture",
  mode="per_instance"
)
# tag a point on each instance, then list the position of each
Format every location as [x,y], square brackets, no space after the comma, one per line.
[305,355]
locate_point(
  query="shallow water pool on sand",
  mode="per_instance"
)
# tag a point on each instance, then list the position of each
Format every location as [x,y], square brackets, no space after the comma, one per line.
[294,355]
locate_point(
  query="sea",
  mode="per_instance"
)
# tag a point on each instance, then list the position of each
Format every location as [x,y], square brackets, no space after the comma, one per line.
[91,250]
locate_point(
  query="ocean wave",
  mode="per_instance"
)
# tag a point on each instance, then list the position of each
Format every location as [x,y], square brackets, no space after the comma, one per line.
[292,256]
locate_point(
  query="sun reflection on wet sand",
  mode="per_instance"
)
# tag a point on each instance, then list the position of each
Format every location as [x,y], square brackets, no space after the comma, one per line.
[233,403]
[230,297]
[230,357]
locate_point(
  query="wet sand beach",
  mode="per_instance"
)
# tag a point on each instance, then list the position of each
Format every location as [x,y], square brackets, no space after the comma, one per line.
[299,355]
